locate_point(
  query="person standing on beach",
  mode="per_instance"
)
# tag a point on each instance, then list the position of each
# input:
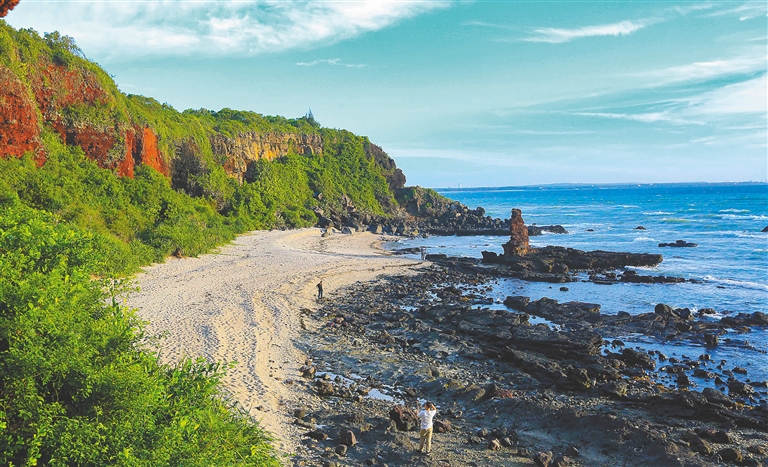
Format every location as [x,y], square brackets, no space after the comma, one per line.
[425,433]
[320,290]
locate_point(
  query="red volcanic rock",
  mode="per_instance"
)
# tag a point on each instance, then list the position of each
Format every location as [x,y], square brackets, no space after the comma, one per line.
[518,240]
[149,154]
[19,126]
[6,6]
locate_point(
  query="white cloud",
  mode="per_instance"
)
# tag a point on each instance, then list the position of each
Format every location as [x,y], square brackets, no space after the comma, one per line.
[744,12]
[710,69]
[648,117]
[170,27]
[557,36]
[331,61]
[740,98]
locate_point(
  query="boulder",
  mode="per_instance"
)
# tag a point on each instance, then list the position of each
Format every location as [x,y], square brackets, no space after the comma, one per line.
[738,387]
[494,445]
[731,455]
[341,450]
[325,388]
[516,302]
[405,418]
[347,438]
[711,339]
[317,435]
[641,359]
[442,426]
[543,459]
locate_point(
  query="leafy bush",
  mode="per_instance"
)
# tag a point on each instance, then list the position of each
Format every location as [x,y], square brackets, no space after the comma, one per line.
[77,386]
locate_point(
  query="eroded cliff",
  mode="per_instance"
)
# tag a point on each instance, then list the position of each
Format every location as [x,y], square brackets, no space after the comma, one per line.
[49,91]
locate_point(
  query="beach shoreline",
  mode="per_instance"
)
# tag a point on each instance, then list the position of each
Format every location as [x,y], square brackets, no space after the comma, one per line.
[243,304]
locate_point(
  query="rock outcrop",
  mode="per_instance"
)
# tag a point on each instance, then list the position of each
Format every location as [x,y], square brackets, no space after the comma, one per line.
[239,152]
[19,125]
[555,263]
[518,240]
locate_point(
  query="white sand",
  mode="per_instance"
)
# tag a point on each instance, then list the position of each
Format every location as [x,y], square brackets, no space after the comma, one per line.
[243,304]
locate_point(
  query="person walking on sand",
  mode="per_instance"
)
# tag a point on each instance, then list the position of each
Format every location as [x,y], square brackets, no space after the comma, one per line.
[320,290]
[425,433]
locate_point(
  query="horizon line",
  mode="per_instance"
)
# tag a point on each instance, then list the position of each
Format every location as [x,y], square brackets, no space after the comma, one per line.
[560,184]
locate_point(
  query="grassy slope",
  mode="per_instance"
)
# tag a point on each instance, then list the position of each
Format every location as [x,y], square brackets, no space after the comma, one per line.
[77,387]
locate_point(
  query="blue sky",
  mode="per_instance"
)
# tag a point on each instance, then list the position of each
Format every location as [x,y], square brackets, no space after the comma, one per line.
[473,93]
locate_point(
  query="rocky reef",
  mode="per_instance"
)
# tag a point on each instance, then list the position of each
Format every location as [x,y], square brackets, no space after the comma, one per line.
[512,392]
[555,263]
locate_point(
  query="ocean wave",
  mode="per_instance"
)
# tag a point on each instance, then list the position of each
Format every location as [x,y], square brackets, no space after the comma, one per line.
[749,218]
[742,284]
[657,213]
[677,220]
[644,239]
[733,210]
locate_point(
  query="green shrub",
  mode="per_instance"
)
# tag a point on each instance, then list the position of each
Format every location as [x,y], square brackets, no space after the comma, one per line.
[78,388]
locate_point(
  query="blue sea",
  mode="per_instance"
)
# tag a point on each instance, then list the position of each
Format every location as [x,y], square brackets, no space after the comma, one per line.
[730,262]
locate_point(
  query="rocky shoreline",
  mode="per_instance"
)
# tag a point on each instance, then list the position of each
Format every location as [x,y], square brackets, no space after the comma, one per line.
[509,392]
[523,383]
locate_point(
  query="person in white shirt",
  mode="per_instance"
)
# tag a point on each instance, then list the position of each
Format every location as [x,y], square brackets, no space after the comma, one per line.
[425,433]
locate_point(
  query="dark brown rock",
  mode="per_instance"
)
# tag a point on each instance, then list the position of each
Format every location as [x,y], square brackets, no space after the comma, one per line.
[442,426]
[518,241]
[405,418]
[317,435]
[347,438]
[732,455]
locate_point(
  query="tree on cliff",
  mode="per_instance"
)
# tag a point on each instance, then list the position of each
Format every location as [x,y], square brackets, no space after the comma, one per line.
[6,6]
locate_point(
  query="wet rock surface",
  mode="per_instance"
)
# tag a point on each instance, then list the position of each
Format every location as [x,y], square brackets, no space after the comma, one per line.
[510,392]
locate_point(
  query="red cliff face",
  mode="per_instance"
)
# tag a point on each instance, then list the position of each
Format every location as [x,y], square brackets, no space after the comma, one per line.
[72,101]
[19,125]
[62,95]
[6,6]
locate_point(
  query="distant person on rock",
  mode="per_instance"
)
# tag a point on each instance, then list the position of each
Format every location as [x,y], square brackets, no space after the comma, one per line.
[425,433]
[320,290]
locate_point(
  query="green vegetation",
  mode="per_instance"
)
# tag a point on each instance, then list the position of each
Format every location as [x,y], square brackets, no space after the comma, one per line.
[78,385]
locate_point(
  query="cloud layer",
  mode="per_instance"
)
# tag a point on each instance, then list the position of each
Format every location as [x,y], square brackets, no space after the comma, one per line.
[166,27]
[557,36]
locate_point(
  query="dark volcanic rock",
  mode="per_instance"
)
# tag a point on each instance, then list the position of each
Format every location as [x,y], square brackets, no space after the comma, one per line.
[641,359]
[347,438]
[732,455]
[405,419]
[535,230]
[679,244]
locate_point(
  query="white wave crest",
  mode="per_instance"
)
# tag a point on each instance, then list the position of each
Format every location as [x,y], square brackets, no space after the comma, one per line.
[735,283]
[751,218]
[733,210]
[657,213]
[644,239]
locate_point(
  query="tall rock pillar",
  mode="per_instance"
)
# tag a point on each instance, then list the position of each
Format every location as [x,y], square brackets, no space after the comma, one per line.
[518,240]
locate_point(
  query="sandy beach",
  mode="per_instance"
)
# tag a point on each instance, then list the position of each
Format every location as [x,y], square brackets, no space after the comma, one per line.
[242,304]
